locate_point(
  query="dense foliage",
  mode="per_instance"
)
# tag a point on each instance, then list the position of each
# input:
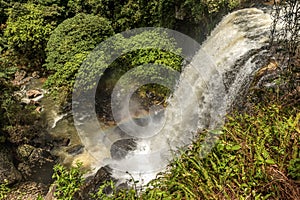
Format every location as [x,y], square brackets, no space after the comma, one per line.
[67,182]
[69,44]
[146,47]
[28,29]
[257,155]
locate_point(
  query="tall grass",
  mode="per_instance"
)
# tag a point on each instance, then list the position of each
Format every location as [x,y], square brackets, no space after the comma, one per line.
[257,157]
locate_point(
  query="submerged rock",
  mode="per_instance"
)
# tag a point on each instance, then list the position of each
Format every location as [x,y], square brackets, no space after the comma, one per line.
[76,149]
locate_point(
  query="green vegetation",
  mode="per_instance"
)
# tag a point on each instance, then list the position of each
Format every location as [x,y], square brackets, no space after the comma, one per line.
[67,181]
[28,28]
[257,157]
[4,190]
[146,47]
[69,45]
[258,152]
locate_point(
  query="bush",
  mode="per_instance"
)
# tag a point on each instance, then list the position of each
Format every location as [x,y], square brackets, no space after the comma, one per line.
[147,47]
[4,190]
[28,28]
[70,43]
[123,14]
[67,181]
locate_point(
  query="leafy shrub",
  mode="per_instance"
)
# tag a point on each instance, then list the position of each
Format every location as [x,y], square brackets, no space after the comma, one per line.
[4,190]
[70,43]
[146,47]
[67,181]
[294,168]
[28,29]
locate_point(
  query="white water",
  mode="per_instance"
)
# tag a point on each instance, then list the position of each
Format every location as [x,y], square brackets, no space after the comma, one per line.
[199,102]
[57,118]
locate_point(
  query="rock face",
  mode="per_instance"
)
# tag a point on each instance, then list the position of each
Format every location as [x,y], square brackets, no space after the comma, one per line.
[33,93]
[8,172]
[76,149]
[92,185]
[27,190]
[34,161]
[120,148]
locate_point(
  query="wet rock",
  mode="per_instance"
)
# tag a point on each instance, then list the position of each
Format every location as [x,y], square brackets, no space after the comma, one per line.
[92,185]
[33,93]
[27,190]
[24,151]
[19,75]
[120,148]
[39,109]
[75,150]
[32,162]
[61,142]
[39,156]
[8,172]
[65,142]
[32,154]
[35,74]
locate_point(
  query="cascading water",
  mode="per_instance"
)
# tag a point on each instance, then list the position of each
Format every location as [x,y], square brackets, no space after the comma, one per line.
[207,88]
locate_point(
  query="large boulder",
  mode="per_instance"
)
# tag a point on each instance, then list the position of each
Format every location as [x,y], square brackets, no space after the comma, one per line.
[93,183]
[120,148]
[33,162]
[8,172]
[75,149]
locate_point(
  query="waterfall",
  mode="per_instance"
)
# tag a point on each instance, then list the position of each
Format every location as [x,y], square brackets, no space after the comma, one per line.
[204,93]
[207,88]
